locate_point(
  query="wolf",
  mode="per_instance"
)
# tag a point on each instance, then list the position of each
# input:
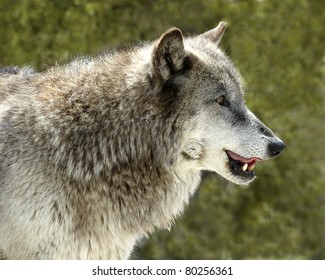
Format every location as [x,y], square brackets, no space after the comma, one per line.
[98,153]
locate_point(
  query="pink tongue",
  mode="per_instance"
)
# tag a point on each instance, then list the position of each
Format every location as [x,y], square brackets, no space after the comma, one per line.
[239,158]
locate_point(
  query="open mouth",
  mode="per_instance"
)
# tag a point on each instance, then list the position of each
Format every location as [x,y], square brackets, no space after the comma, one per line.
[240,166]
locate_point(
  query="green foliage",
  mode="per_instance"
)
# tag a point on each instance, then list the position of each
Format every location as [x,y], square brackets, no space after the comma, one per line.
[279,49]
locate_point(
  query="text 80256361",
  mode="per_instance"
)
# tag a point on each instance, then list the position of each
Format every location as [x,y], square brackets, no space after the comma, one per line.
[199,270]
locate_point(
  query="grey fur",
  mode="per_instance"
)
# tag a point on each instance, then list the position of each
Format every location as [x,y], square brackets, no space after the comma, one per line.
[98,153]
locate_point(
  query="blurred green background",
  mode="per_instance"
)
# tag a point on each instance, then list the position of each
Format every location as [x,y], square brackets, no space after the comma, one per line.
[279,49]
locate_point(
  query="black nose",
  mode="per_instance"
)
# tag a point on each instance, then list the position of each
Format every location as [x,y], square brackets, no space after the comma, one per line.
[275,148]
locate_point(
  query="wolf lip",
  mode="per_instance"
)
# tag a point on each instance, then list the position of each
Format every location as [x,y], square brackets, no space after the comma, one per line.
[241,166]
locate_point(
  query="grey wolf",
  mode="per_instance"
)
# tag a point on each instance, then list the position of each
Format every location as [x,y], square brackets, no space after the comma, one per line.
[97,154]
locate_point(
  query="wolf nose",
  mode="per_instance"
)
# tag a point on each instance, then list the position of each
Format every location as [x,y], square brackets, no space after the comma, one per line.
[275,148]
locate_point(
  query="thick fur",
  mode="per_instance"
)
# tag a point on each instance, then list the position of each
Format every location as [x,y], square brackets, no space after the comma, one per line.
[98,153]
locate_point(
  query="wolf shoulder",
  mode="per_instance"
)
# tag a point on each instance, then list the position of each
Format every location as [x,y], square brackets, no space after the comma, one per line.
[11,77]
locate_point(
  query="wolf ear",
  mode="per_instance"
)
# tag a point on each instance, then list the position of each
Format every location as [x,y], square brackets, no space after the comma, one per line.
[216,34]
[169,54]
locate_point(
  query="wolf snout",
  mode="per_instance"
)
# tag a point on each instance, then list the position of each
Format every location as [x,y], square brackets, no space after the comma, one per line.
[276,148]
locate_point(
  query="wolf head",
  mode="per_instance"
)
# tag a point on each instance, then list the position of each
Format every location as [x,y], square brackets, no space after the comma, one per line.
[220,133]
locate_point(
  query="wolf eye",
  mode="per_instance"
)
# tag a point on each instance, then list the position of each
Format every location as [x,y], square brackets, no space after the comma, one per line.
[221,100]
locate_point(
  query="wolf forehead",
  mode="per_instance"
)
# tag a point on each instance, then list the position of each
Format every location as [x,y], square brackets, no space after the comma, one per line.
[175,55]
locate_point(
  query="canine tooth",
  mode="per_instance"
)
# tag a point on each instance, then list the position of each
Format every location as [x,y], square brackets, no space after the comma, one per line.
[251,167]
[245,166]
